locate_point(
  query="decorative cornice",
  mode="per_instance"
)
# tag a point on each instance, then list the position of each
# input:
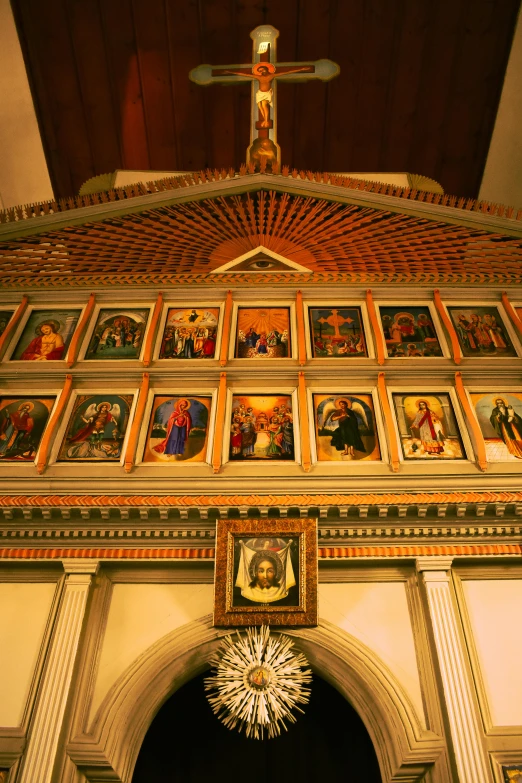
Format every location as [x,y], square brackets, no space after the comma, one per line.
[106,194]
[208,553]
[417,277]
[45,533]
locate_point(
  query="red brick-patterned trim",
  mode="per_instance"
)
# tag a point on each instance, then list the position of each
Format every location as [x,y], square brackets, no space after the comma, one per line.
[105,553]
[256,501]
[208,553]
[328,552]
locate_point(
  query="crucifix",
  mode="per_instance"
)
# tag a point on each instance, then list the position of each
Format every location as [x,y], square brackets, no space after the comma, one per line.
[264,72]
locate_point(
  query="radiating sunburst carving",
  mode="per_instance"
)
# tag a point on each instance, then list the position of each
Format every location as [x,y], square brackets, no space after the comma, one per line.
[258,683]
[191,240]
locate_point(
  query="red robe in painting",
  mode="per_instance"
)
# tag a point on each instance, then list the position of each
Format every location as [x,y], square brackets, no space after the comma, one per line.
[96,424]
[34,351]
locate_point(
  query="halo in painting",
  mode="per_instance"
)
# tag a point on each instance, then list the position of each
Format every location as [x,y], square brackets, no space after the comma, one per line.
[345,428]
[481,331]
[118,334]
[190,333]
[178,429]
[46,335]
[409,332]
[96,428]
[22,423]
[263,333]
[428,427]
[500,418]
[261,428]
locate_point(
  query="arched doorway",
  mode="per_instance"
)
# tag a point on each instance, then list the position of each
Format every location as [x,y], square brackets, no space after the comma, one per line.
[109,747]
[186,743]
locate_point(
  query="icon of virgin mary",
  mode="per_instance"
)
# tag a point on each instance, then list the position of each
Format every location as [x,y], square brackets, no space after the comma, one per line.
[178,430]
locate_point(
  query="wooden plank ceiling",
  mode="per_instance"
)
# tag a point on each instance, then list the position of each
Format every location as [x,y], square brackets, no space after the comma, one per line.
[418,91]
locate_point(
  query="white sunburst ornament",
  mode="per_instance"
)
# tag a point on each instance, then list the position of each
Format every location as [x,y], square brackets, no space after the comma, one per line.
[258,683]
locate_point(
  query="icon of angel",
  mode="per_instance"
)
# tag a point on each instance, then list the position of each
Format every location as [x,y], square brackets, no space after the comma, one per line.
[265,572]
[99,437]
[346,417]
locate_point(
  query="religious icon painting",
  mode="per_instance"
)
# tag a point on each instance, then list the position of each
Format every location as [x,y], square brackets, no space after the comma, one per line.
[266,572]
[481,331]
[46,335]
[96,428]
[5,317]
[345,428]
[178,429]
[22,423]
[499,415]
[337,332]
[190,333]
[409,332]
[118,334]
[512,773]
[261,428]
[428,428]
[263,333]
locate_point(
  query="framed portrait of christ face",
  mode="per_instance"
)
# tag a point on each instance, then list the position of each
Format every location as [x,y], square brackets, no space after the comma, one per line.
[266,572]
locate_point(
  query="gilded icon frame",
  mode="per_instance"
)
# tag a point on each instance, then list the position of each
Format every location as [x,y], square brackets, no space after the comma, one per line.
[301,535]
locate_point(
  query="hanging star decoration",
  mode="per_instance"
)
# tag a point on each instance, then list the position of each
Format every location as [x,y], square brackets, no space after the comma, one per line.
[258,683]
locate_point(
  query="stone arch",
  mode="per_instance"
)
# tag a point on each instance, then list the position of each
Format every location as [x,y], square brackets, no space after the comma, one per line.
[405,750]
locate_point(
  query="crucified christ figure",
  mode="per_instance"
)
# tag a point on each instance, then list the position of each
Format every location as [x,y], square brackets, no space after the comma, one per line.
[265,73]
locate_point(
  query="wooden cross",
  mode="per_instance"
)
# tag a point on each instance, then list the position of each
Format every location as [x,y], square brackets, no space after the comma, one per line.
[263,72]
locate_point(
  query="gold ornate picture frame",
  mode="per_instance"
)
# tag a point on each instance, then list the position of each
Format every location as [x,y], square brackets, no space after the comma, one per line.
[266,572]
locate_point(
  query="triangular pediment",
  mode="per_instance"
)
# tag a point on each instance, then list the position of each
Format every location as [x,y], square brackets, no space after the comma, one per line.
[261,259]
[212,230]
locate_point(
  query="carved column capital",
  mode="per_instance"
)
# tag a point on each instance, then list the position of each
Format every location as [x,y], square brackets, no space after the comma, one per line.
[80,565]
[434,569]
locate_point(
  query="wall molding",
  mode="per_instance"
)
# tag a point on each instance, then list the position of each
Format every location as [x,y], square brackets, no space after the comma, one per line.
[405,750]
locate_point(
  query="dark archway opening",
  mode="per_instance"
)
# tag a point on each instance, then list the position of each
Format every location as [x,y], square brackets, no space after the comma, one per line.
[187,744]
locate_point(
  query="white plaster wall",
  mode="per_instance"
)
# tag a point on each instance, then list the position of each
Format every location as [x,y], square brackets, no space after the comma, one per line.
[377,614]
[24,612]
[494,608]
[139,615]
[502,178]
[24,177]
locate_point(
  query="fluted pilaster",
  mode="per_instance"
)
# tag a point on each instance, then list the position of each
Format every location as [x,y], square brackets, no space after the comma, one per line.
[470,755]
[45,730]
